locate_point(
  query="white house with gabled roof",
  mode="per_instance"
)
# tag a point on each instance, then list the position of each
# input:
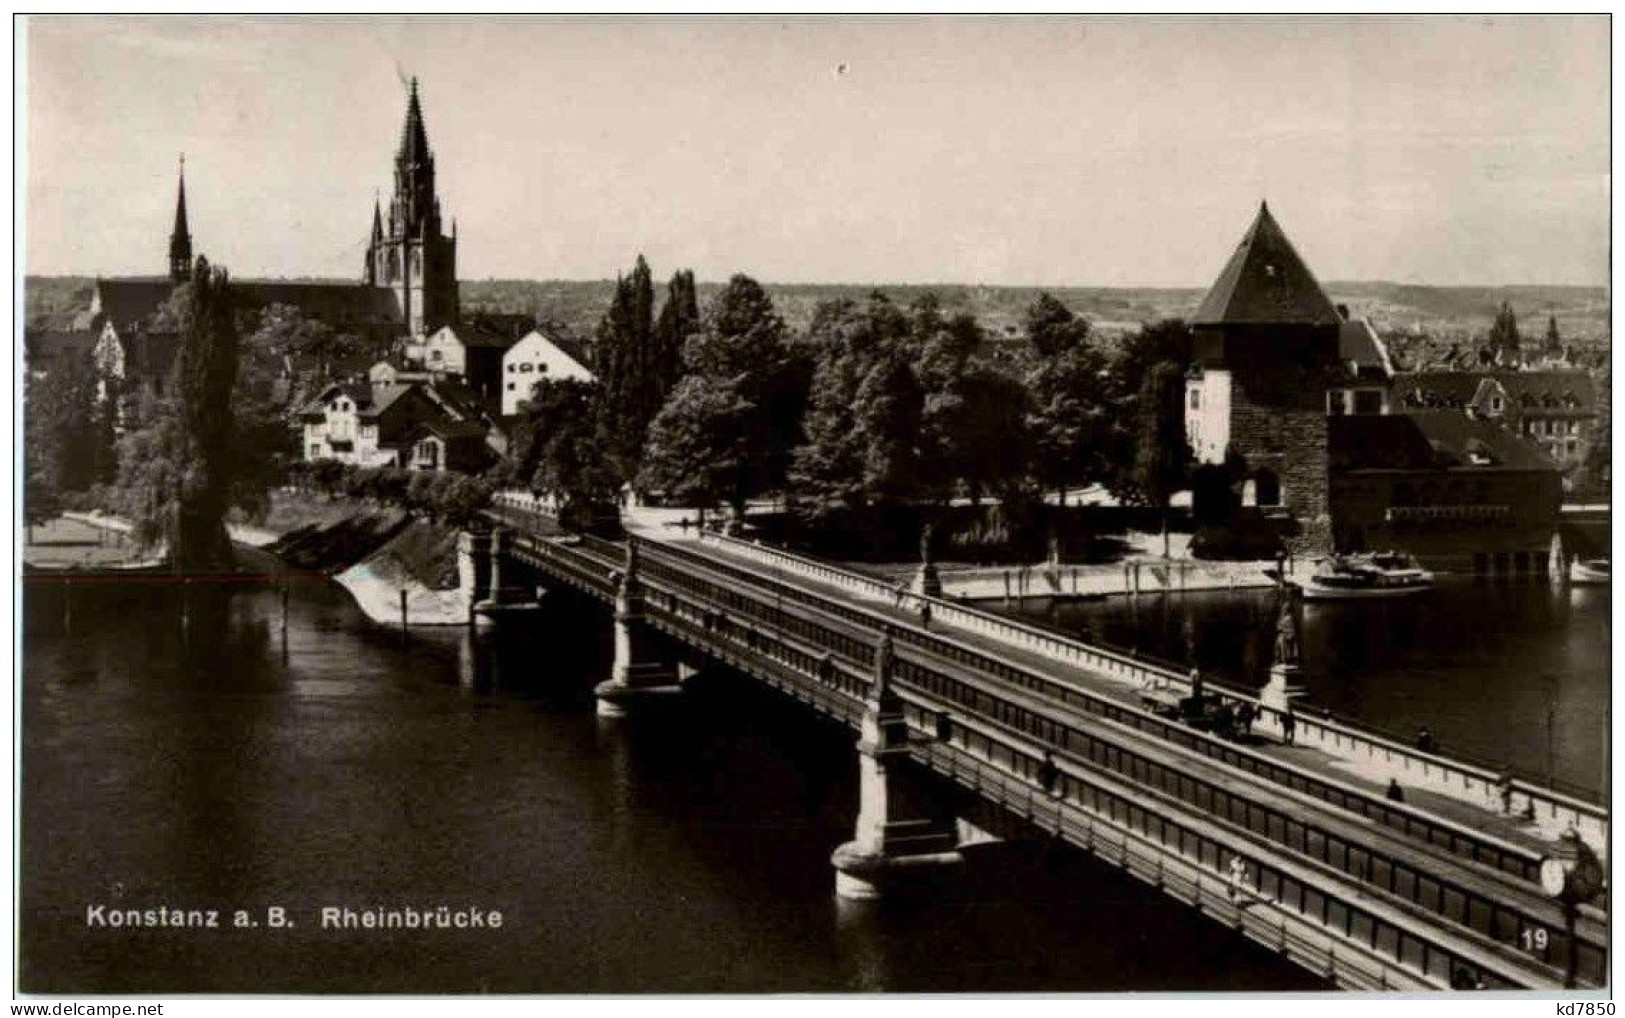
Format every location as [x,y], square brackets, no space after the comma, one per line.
[535,358]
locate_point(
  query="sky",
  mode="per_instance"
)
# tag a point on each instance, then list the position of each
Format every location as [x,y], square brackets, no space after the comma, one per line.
[1022,151]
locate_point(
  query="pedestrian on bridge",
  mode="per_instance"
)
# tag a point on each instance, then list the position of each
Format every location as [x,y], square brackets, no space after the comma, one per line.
[1289,727]
[1425,741]
[925,614]
[1395,793]
[1048,773]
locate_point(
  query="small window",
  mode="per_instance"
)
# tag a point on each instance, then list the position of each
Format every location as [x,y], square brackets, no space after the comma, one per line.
[1496,404]
[526,368]
[512,368]
[512,386]
[1196,399]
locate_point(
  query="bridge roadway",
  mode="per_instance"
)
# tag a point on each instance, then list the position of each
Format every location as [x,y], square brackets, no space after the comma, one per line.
[1372,894]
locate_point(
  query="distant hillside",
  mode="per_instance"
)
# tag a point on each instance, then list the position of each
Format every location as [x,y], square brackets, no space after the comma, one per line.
[1452,312]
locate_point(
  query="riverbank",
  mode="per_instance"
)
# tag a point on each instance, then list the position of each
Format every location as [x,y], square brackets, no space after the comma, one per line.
[374,554]
[83,542]
[381,556]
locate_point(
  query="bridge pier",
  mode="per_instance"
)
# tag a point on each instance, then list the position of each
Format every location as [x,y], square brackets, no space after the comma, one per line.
[1557,560]
[474,561]
[904,835]
[639,675]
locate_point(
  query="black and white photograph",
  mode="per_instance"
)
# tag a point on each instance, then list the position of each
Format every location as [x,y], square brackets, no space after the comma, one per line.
[713,506]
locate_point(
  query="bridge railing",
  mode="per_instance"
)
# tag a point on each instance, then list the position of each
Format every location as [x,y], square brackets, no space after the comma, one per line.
[678,601]
[1456,778]
[768,649]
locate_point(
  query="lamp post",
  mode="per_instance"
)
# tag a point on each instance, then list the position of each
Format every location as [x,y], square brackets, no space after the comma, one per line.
[1571,874]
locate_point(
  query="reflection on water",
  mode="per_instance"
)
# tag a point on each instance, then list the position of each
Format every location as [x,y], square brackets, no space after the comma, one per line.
[232,764]
[1515,672]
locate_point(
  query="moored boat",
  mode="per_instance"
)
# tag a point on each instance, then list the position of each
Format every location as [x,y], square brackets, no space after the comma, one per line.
[1359,577]
[1591,571]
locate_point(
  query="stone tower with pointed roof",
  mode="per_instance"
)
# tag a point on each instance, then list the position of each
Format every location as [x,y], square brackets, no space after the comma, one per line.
[180,239]
[1266,349]
[409,254]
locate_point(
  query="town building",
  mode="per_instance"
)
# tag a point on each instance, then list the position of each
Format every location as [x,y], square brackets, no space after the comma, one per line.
[1368,370]
[417,425]
[539,357]
[470,352]
[413,259]
[1267,350]
[1458,492]
[1555,410]
[408,285]
[1302,399]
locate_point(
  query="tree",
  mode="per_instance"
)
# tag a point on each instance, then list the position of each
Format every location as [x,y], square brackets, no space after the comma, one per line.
[42,503]
[1070,418]
[557,452]
[629,397]
[679,319]
[178,474]
[67,429]
[1163,454]
[1554,341]
[1504,335]
[726,432]
[857,349]
[973,418]
[1169,340]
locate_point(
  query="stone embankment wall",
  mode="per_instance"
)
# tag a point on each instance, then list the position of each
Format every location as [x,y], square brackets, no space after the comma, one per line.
[378,554]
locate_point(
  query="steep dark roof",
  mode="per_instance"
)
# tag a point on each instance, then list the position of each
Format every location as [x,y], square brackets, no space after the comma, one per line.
[1265,283]
[1550,392]
[130,302]
[331,302]
[124,302]
[1550,388]
[476,336]
[1436,390]
[1358,342]
[380,398]
[1430,440]
[44,348]
[453,430]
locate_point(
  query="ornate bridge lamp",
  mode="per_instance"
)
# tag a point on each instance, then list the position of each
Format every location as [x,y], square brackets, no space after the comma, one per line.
[1572,874]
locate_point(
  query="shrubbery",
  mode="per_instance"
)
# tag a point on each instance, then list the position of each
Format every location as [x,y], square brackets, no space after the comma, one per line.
[447,496]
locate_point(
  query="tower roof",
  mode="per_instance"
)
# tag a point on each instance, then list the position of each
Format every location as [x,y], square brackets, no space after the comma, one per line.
[180,239]
[1265,283]
[377,221]
[414,138]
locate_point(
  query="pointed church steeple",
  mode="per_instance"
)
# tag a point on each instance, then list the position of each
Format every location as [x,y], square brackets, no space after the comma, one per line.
[414,137]
[180,240]
[414,211]
[408,252]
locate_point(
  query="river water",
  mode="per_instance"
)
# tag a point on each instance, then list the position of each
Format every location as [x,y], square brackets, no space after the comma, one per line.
[199,760]
[1509,672]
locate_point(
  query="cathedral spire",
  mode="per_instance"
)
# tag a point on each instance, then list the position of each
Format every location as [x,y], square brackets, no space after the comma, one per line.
[377,220]
[180,240]
[414,137]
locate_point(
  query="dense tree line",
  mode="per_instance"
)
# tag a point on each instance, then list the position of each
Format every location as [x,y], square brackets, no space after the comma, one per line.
[452,498]
[873,405]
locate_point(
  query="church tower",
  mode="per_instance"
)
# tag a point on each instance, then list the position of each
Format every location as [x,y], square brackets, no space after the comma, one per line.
[180,240]
[409,254]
